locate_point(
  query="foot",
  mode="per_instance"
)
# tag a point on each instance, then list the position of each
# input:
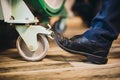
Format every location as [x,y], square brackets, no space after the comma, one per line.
[81,45]
[95,43]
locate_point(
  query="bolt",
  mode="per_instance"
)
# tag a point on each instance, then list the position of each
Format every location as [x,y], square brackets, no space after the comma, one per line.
[30,47]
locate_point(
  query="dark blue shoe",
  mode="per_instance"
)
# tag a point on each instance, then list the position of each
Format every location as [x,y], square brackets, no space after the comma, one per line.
[94,44]
[81,45]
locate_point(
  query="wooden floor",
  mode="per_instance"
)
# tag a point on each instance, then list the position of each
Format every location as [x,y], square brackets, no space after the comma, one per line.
[59,64]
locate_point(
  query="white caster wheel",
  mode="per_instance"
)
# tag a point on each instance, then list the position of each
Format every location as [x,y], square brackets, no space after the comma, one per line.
[39,54]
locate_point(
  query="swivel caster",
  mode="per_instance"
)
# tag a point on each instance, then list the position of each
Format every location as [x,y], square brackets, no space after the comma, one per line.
[39,54]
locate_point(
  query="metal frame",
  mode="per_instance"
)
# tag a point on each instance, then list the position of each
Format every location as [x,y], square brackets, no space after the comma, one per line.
[17,12]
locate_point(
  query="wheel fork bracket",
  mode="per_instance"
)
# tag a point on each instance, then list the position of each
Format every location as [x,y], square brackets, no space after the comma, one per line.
[29,34]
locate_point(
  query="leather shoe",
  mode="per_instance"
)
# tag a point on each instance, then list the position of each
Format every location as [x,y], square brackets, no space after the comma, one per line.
[81,45]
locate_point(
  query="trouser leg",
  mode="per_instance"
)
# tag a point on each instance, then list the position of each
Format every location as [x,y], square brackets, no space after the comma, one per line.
[105,26]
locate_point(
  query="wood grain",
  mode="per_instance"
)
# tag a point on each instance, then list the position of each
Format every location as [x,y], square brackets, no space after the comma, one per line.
[59,64]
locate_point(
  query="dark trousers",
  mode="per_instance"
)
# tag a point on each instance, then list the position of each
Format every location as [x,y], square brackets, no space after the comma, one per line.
[105,26]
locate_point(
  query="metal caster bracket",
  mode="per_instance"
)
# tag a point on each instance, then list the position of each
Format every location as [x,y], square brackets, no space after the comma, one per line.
[29,34]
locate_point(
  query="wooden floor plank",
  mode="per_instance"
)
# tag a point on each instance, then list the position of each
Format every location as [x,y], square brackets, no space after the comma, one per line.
[59,64]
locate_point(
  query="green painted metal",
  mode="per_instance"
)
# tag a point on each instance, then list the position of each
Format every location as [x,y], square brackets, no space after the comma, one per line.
[44,9]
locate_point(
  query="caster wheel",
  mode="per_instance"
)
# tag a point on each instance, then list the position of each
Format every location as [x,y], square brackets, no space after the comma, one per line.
[39,54]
